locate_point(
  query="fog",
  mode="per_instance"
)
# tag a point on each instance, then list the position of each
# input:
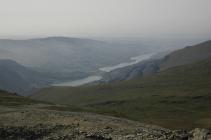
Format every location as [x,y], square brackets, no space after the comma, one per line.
[105,18]
[55,36]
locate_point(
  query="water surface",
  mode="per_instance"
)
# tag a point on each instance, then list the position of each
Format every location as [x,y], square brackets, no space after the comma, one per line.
[134,60]
[80,81]
[89,79]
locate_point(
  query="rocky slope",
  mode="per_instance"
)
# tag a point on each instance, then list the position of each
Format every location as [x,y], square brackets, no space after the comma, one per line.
[26,119]
[33,124]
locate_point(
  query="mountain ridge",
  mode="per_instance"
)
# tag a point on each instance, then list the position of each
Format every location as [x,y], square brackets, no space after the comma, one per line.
[66,58]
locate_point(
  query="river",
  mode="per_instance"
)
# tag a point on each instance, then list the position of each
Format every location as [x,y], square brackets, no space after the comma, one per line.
[89,79]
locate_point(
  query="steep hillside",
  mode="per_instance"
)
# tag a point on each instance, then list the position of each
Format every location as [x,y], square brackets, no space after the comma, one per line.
[17,78]
[142,69]
[177,98]
[187,55]
[180,57]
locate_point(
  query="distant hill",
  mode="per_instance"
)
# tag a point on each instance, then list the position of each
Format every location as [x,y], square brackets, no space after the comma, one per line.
[66,58]
[187,55]
[180,57]
[19,79]
[26,65]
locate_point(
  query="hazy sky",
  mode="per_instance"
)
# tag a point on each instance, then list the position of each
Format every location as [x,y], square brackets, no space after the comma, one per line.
[105,18]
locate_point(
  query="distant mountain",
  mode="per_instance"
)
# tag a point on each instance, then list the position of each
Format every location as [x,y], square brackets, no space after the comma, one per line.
[66,58]
[180,57]
[19,79]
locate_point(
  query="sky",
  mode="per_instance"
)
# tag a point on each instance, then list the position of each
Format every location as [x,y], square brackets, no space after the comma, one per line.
[105,18]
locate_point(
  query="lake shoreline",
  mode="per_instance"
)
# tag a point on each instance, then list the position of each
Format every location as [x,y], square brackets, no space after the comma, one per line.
[94,78]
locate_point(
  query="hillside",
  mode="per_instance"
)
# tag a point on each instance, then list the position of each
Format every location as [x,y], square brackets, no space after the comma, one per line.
[65,58]
[20,79]
[180,57]
[27,119]
[187,55]
[141,69]
[9,100]
[178,97]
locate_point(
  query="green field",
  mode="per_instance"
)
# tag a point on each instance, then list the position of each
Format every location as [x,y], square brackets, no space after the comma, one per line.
[178,97]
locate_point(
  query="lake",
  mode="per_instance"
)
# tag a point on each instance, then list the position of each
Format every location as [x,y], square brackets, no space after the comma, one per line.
[89,79]
[134,60]
[80,81]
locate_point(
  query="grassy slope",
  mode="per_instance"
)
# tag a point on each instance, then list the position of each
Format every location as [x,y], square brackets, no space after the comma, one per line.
[12,100]
[187,55]
[178,97]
